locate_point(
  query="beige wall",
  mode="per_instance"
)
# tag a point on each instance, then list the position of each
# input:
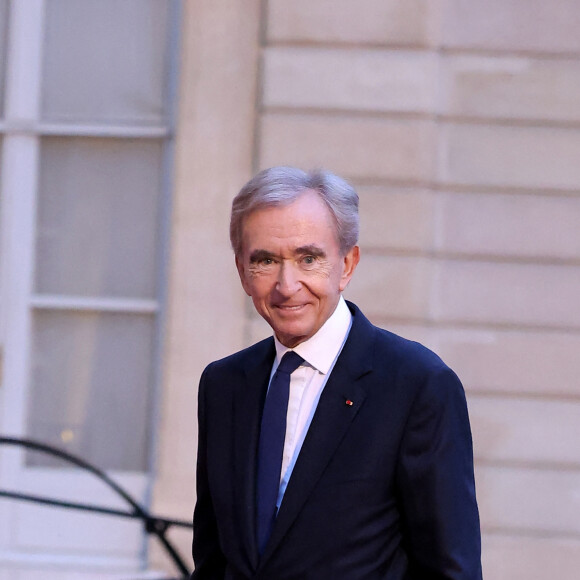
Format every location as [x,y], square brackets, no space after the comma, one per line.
[459,123]
[214,155]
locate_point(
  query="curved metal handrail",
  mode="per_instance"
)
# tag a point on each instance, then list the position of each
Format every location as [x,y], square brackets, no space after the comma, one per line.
[153,525]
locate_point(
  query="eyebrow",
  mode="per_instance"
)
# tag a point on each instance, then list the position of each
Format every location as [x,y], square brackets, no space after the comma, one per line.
[310,250]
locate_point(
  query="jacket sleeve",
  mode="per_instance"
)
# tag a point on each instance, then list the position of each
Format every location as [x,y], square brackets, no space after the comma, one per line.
[207,555]
[436,483]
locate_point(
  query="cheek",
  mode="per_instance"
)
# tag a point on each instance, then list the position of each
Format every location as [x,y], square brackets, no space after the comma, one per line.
[256,270]
[258,284]
[320,270]
[324,279]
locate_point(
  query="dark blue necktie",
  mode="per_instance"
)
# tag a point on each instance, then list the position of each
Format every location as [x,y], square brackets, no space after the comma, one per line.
[271,447]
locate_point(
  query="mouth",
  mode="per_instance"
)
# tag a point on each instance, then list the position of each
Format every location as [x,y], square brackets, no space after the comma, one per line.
[289,308]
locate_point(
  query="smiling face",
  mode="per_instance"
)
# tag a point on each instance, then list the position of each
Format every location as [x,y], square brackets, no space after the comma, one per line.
[292,268]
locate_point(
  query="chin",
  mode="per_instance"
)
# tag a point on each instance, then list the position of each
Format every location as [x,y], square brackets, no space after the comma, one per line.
[293,338]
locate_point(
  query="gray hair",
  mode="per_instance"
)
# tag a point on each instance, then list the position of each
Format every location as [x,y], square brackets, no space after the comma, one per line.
[279,186]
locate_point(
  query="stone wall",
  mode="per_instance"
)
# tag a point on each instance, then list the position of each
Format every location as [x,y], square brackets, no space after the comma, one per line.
[459,124]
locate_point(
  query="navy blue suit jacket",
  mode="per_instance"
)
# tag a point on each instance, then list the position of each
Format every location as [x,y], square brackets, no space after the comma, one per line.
[383,489]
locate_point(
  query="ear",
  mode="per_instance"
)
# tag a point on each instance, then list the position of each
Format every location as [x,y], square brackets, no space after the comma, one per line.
[242,275]
[349,264]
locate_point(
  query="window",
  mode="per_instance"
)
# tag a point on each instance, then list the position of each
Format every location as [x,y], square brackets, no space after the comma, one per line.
[86,90]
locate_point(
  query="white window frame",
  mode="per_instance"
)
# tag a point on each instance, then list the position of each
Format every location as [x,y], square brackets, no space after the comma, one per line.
[22,130]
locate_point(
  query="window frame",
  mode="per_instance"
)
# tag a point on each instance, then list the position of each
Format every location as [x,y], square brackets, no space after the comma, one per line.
[21,132]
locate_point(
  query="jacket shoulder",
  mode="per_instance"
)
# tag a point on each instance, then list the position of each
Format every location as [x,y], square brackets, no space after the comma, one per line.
[406,352]
[256,354]
[389,348]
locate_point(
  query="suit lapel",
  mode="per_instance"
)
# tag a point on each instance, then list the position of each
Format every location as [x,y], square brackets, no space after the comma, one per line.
[330,423]
[248,404]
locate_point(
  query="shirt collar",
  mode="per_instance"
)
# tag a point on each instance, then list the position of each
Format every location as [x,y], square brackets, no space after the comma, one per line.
[320,351]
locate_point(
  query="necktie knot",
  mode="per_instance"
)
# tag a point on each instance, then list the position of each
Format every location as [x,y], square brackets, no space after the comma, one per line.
[290,362]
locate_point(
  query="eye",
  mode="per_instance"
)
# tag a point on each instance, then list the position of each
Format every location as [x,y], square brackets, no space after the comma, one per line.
[309,260]
[266,262]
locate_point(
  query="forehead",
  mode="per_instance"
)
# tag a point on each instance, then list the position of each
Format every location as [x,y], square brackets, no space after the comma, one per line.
[306,220]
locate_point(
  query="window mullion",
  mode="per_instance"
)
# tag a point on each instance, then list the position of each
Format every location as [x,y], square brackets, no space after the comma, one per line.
[97,304]
[19,178]
[24,66]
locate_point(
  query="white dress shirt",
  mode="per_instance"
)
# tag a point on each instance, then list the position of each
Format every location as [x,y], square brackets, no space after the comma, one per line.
[307,381]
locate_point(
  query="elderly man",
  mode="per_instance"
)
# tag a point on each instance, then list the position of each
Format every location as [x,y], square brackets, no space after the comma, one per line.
[333,450]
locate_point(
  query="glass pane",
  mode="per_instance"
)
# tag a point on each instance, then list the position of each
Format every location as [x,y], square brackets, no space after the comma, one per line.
[98,217]
[104,61]
[91,386]
[3,40]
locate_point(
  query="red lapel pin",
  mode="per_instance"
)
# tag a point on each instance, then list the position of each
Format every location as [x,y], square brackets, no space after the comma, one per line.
[349,402]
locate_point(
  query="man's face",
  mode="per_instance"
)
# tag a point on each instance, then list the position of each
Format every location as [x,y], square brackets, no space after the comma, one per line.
[292,267]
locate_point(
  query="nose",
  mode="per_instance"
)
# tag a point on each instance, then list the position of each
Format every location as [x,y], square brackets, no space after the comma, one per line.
[288,280]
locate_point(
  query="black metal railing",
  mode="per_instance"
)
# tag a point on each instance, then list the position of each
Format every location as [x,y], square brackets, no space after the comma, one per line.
[153,525]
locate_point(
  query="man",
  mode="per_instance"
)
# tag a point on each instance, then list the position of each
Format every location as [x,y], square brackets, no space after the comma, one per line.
[374,468]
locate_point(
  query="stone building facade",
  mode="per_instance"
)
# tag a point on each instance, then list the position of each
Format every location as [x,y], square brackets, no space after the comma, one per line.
[459,124]
[458,121]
